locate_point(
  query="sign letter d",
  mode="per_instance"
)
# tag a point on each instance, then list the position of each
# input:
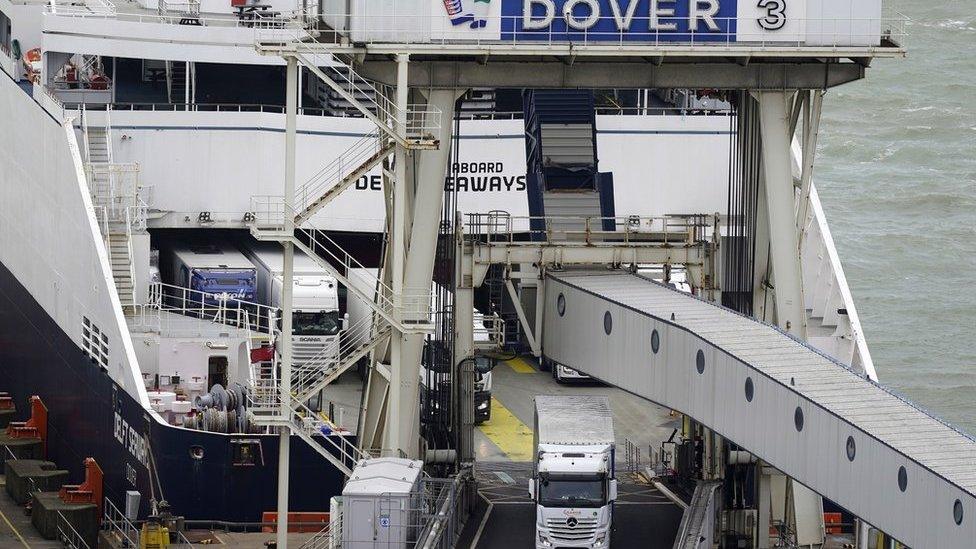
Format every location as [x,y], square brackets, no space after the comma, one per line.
[529,23]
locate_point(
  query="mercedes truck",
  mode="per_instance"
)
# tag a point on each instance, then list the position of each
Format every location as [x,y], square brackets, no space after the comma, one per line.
[573,483]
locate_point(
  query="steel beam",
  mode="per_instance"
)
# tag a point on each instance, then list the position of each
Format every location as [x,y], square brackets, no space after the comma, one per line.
[606,74]
[582,254]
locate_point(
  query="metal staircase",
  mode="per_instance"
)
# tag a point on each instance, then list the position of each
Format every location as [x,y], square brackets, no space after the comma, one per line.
[180,80]
[341,173]
[561,158]
[405,312]
[119,208]
[120,256]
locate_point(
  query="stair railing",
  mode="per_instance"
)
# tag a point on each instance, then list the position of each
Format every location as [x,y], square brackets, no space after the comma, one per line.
[354,343]
[69,537]
[115,522]
[423,122]
[410,309]
[313,427]
[329,537]
[356,161]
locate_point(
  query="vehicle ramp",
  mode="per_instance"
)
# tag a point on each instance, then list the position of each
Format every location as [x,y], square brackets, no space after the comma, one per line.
[849,439]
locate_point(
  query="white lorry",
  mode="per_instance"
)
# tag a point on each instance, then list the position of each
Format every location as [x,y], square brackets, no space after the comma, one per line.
[315,299]
[573,483]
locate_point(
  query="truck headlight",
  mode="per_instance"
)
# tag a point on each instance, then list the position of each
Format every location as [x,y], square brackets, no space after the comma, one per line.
[483,405]
[600,540]
[544,540]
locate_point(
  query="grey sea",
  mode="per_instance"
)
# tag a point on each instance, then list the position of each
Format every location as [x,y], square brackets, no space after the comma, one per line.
[897,176]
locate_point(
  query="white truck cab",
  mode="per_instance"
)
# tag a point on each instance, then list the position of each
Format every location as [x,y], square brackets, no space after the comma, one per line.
[315,299]
[574,483]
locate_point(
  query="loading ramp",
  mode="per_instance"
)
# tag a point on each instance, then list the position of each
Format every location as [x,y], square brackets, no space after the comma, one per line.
[849,439]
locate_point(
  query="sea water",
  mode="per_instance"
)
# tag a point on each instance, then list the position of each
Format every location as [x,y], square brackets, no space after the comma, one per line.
[897,177]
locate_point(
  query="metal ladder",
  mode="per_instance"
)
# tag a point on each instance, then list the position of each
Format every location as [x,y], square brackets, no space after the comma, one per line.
[181,81]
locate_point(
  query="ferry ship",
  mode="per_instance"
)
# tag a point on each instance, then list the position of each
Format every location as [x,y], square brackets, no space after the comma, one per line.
[138,131]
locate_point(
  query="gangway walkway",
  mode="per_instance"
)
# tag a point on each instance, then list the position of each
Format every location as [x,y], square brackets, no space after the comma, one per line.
[847,438]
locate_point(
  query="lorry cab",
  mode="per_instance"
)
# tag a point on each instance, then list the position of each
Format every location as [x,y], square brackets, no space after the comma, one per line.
[315,318]
[574,484]
[218,271]
[574,491]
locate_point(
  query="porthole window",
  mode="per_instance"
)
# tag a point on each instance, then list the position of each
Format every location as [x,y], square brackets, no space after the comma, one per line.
[750,390]
[561,305]
[851,448]
[902,478]
[798,419]
[655,341]
[700,361]
[607,322]
[196,452]
[957,512]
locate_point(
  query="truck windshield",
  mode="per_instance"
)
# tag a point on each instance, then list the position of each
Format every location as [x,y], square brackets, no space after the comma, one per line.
[315,324]
[572,491]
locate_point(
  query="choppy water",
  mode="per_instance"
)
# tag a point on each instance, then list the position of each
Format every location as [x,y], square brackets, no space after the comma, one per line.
[897,176]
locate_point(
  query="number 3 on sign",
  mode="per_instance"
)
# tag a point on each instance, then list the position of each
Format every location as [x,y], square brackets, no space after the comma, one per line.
[775,17]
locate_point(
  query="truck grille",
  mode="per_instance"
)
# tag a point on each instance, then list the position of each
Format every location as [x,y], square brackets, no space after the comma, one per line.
[571,529]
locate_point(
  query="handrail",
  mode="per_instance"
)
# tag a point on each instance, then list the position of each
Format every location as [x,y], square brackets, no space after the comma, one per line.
[68,535]
[327,538]
[473,114]
[285,20]
[206,308]
[426,28]
[114,521]
[333,173]
[412,305]
[419,122]
[667,230]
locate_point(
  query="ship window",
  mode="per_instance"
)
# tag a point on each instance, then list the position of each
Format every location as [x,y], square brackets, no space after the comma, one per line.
[246,452]
[561,305]
[902,478]
[750,389]
[957,512]
[798,419]
[700,361]
[655,341]
[607,322]
[196,452]
[94,343]
[851,448]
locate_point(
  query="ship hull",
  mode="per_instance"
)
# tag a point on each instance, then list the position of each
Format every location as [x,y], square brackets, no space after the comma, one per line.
[90,415]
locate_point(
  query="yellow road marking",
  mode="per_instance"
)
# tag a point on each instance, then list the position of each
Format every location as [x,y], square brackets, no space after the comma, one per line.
[14,530]
[508,433]
[520,365]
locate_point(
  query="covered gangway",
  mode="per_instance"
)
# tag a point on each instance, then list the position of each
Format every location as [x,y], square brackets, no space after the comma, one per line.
[851,440]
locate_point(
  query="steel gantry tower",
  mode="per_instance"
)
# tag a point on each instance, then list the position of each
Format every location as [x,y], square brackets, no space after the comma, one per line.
[406,76]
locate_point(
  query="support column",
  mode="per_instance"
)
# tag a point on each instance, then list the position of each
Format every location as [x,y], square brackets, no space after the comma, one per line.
[463,348]
[396,439]
[764,497]
[287,285]
[774,117]
[419,264]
